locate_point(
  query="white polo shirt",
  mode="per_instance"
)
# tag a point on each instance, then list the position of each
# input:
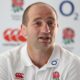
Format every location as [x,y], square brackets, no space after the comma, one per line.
[15,64]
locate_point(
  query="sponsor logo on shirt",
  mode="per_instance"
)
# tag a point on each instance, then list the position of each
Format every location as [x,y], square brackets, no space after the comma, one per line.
[54,62]
[19,76]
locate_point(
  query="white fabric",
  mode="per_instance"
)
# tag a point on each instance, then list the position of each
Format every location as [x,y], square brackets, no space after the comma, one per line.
[16,62]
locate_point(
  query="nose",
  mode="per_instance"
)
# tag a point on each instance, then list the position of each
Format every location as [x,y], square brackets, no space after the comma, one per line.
[45,28]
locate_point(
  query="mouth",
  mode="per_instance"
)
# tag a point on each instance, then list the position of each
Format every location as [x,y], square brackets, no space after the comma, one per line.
[44,39]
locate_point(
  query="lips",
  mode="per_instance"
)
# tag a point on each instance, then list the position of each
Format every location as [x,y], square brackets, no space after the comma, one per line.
[44,39]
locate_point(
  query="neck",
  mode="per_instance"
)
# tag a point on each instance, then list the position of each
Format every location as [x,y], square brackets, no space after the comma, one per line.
[39,57]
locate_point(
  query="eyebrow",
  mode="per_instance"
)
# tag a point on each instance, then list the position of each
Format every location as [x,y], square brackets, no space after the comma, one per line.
[52,18]
[39,18]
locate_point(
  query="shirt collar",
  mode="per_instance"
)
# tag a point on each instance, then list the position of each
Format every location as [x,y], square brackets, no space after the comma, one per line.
[25,57]
[54,58]
[52,62]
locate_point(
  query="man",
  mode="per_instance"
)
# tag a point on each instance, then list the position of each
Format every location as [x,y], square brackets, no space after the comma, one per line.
[41,58]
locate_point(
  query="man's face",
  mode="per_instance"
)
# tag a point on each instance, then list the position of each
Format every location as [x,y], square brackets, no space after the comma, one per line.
[42,26]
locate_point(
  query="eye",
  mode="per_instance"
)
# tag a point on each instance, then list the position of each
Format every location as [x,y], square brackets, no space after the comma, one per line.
[38,23]
[50,23]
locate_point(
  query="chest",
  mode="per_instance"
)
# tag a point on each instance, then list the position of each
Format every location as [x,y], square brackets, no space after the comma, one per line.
[31,74]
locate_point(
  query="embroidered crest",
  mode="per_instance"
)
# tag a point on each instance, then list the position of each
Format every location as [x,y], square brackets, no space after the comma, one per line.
[55,75]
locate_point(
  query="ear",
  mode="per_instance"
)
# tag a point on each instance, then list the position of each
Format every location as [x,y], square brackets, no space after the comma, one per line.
[23,30]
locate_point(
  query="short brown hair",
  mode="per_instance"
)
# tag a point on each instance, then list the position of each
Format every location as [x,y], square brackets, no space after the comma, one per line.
[25,14]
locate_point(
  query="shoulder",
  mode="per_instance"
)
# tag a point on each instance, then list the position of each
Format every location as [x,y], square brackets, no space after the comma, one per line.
[11,55]
[69,64]
[67,57]
[70,56]
[69,60]
[9,60]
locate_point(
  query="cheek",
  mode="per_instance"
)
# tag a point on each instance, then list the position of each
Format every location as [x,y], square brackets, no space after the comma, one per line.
[31,33]
[54,32]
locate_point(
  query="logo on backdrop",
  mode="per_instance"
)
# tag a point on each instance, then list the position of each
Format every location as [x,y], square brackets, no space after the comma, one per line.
[68,36]
[17,5]
[13,35]
[67,8]
[17,9]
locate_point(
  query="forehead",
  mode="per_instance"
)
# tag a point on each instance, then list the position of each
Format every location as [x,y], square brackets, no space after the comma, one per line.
[42,11]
